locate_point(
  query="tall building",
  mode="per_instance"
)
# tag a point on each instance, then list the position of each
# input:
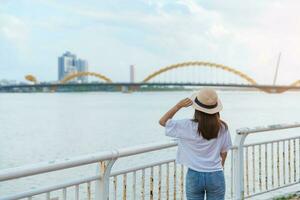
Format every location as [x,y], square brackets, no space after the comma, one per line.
[131,74]
[82,66]
[69,64]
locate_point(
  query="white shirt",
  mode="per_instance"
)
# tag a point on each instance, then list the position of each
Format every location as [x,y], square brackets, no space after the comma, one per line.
[194,151]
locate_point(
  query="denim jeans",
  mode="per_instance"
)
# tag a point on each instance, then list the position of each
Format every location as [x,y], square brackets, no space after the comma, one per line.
[199,184]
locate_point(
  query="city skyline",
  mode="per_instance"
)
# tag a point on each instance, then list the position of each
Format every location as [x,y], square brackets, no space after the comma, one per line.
[150,35]
[69,64]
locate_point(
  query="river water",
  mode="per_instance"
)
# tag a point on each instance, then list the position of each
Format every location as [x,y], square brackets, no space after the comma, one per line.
[46,126]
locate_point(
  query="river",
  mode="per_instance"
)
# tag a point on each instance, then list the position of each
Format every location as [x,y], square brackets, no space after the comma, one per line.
[37,127]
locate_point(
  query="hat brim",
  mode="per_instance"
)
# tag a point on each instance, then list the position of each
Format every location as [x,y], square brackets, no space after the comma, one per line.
[206,110]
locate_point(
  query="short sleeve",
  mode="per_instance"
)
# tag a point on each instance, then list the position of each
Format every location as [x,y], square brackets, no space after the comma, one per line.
[177,128]
[227,143]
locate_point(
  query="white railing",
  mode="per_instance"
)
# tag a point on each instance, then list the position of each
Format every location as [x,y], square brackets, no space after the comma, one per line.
[248,172]
[265,164]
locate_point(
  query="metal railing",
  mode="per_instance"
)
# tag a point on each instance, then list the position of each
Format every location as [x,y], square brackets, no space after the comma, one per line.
[251,170]
[266,166]
[162,179]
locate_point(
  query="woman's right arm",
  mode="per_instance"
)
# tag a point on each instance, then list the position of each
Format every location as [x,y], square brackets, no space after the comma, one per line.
[168,115]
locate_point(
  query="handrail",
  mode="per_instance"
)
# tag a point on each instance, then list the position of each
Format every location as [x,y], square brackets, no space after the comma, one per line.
[80,181]
[239,152]
[270,141]
[106,159]
[49,188]
[43,167]
[273,127]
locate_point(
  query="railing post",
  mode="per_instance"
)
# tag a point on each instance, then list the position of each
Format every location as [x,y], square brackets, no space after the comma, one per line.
[239,165]
[102,184]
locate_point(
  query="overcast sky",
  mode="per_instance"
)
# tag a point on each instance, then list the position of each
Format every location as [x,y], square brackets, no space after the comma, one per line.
[111,35]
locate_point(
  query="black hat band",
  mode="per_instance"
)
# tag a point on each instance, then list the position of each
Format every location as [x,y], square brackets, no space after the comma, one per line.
[205,106]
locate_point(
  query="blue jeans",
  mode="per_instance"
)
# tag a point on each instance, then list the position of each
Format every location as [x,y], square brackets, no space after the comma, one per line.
[199,184]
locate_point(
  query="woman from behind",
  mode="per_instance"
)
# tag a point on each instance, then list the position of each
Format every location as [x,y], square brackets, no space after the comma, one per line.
[203,143]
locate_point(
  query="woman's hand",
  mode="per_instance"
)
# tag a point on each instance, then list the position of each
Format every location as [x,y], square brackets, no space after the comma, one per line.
[184,103]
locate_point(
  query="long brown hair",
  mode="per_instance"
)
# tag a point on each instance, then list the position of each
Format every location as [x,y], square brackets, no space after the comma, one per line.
[209,125]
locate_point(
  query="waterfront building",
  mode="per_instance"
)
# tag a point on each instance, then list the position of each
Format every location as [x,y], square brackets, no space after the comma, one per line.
[82,66]
[8,82]
[132,74]
[69,64]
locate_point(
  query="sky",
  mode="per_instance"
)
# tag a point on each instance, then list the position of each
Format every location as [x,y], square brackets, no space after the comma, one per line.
[112,35]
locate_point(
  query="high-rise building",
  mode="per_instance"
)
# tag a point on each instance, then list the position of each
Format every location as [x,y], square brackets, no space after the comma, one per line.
[82,66]
[69,64]
[131,74]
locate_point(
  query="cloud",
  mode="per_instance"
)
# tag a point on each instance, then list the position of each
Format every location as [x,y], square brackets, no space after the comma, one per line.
[14,40]
[151,34]
[13,29]
[275,31]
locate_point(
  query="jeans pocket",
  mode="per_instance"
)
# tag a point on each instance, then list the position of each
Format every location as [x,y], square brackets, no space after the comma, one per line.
[217,179]
[216,186]
[192,180]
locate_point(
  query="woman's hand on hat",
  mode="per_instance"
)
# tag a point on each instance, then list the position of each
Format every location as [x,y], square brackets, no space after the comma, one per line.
[184,103]
[168,115]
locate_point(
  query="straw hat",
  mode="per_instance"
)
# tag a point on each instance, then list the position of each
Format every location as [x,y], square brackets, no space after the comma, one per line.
[207,101]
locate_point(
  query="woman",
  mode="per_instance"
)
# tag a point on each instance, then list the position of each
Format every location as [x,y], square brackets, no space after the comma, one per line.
[202,146]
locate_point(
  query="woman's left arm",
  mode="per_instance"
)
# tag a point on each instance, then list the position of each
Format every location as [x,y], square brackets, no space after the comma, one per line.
[223,157]
[183,103]
[226,146]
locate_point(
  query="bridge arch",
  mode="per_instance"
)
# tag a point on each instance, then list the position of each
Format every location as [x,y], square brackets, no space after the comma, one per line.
[79,74]
[31,78]
[200,64]
[296,83]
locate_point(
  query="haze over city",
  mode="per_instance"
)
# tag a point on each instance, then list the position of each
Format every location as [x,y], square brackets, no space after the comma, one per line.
[112,35]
